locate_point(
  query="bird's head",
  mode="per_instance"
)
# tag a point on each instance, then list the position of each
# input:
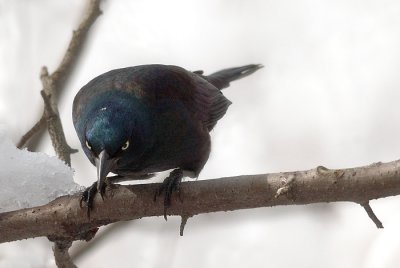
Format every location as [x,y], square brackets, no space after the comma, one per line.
[114,135]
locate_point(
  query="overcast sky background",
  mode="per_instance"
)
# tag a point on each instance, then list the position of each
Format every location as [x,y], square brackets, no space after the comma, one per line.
[328,95]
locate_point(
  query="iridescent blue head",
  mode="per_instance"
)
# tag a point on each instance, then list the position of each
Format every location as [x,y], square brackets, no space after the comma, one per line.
[114,132]
[110,130]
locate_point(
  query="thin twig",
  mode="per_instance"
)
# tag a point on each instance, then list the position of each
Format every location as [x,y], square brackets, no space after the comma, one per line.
[61,74]
[75,45]
[34,130]
[372,215]
[184,219]
[63,218]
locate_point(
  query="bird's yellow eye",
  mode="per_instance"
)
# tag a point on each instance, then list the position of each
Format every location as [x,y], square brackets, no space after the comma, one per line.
[88,145]
[125,146]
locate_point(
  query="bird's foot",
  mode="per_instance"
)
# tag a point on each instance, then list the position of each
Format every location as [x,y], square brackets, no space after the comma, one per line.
[170,184]
[88,196]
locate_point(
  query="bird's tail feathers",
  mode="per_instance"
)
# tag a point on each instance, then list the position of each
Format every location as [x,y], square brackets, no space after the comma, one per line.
[221,79]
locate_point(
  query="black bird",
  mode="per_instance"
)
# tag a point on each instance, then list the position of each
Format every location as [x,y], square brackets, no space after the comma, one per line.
[137,121]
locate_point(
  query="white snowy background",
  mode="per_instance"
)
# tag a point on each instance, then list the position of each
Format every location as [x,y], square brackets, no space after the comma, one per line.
[328,95]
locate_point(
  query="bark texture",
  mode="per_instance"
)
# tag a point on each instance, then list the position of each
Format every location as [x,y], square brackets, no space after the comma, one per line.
[64,220]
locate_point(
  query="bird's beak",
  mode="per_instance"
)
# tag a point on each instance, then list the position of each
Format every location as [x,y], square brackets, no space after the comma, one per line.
[104,165]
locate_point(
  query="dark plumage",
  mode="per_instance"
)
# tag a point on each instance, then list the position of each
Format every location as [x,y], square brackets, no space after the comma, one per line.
[141,120]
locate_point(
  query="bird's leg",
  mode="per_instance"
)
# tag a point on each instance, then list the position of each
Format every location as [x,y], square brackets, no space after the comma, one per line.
[170,184]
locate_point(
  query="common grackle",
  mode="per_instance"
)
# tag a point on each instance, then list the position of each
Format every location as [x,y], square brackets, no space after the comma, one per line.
[140,120]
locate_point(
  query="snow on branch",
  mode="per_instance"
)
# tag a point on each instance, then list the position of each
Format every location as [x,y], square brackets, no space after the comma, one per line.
[64,219]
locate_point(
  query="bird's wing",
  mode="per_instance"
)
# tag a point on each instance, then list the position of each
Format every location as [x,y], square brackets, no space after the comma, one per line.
[207,95]
[204,101]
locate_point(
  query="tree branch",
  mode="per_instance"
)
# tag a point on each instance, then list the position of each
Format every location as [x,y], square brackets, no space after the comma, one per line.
[53,84]
[63,219]
[61,255]
[74,47]
[34,130]
[57,136]
[372,215]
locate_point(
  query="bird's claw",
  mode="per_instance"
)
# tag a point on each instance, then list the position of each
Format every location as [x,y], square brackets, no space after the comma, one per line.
[170,184]
[88,196]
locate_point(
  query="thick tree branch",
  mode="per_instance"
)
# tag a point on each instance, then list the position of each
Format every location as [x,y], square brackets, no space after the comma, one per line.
[64,219]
